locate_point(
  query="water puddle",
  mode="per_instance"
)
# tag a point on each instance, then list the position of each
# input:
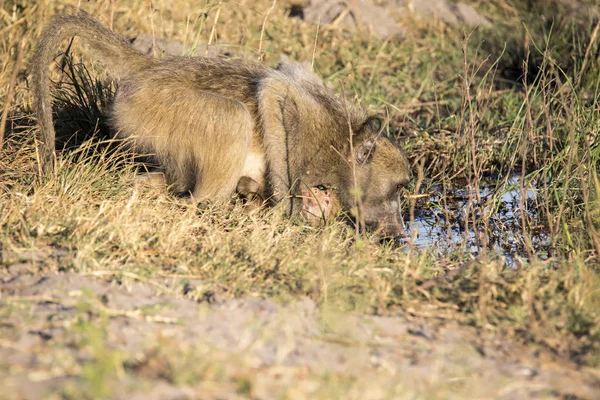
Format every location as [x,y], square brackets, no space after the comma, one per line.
[463,221]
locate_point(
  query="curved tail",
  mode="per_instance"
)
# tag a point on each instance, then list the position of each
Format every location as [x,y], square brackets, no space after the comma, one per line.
[112,50]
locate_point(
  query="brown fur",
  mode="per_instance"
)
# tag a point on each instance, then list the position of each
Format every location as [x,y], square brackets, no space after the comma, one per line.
[210,122]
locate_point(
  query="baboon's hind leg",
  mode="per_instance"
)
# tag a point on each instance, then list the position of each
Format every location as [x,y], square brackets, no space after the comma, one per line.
[199,139]
[221,152]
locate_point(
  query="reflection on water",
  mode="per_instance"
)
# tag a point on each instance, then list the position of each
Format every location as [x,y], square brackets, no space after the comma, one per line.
[461,221]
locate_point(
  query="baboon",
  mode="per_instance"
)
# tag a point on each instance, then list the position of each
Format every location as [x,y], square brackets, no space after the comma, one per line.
[209,122]
[319,205]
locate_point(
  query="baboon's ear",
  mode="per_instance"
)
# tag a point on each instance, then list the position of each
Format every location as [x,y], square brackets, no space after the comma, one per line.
[373,125]
[366,150]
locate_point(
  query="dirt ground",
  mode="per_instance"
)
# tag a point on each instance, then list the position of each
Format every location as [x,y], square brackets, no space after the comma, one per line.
[54,324]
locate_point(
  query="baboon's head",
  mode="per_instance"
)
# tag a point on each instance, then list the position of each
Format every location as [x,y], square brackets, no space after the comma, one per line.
[381,170]
[319,122]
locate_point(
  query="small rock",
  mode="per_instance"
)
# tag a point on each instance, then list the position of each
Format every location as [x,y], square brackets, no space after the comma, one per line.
[449,12]
[371,15]
[470,16]
[353,16]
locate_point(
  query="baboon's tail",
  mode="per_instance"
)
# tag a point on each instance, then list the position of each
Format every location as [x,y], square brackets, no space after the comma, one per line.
[112,50]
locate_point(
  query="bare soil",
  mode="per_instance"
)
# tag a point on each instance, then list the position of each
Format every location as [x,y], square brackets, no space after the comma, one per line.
[55,323]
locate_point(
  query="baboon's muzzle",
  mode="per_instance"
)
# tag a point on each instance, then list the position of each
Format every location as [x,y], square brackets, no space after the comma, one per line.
[385,218]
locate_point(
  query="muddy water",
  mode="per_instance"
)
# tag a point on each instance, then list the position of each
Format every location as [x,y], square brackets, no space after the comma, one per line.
[459,220]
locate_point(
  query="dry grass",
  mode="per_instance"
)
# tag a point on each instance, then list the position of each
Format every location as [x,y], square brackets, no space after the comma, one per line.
[460,116]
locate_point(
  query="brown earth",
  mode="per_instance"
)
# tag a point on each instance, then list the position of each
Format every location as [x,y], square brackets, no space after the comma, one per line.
[59,329]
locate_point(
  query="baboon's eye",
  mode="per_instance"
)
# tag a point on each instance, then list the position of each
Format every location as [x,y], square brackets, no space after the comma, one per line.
[402,184]
[397,189]
[373,125]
